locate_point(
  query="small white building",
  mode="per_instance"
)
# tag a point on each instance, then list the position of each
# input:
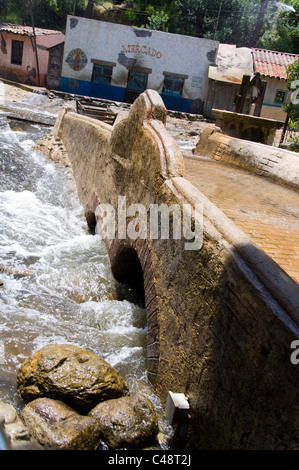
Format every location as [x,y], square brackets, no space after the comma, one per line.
[238,70]
[272,67]
[118,62]
[226,76]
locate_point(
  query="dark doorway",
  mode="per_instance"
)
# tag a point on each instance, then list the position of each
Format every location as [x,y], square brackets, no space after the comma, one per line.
[137,83]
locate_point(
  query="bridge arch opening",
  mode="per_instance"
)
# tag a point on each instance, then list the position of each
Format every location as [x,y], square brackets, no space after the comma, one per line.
[132,264]
[127,270]
[91,222]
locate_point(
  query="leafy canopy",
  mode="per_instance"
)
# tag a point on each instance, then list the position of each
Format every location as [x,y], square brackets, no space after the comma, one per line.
[250,23]
[292,106]
[271,24]
[283,33]
[50,14]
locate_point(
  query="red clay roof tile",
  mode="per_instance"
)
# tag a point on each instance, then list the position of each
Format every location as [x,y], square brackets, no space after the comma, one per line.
[26,30]
[272,63]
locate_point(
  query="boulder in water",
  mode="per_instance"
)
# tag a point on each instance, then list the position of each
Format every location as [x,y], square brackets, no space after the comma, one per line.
[71,374]
[57,426]
[126,422]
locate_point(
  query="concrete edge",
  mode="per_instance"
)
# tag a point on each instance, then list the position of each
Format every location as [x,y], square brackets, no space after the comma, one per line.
[274,279]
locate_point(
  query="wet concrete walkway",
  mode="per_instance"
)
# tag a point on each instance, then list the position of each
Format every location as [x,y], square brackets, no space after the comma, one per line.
[266,212]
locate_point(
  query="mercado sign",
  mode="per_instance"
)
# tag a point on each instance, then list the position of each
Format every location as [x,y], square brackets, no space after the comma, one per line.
[137,49]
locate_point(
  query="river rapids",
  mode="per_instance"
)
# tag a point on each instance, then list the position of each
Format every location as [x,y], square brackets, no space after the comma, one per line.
[56,281]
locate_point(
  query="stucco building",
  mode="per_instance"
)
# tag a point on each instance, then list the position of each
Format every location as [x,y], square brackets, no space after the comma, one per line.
[225,77]
[119,62]
[19,61]
[272,67]
[258,74]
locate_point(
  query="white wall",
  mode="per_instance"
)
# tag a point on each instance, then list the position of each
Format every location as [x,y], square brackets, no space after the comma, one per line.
[156,50]
[271,109]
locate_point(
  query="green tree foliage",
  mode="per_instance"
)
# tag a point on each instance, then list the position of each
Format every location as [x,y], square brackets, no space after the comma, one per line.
[292,106]
[226,21]
[283,34]
[271,24]
[240,22]
[157,20]
[89,9]
[157,14]
[47,13]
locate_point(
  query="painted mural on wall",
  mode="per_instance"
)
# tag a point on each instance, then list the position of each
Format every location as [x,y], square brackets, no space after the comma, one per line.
[76,59]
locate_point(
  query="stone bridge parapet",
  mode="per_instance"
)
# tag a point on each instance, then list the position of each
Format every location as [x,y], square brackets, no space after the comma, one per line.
[277,164]
[222,317]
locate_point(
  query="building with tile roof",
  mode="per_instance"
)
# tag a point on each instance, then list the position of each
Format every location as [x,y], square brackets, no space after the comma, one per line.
[26,30]
[272,64]
[20,61]
[234,65]
[272,67]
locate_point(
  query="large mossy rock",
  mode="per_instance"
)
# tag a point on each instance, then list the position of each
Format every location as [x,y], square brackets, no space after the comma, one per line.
[57,426]
[127,422]
[71,374]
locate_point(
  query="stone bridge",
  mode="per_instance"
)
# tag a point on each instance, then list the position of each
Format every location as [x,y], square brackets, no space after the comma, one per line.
[220,318]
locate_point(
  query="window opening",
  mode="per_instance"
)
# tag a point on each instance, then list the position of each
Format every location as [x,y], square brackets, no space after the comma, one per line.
[280,96]
[16,52]
[137,83]
[173,85]
[102,74]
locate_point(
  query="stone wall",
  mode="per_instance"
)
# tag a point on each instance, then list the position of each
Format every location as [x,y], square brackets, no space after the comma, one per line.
[246,126]
[277,164]
[221,318]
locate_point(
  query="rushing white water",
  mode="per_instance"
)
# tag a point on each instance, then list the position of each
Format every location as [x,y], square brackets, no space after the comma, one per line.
[57,282]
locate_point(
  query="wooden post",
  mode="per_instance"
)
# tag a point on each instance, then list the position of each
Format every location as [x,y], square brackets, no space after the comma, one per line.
[34,41]
[240,100]
[218,18]
[284,130]
[260,99]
